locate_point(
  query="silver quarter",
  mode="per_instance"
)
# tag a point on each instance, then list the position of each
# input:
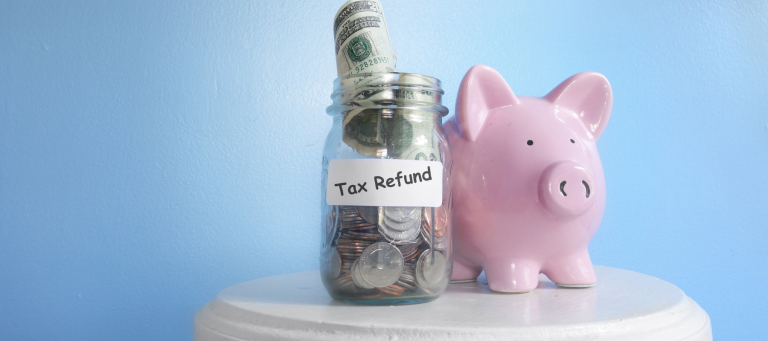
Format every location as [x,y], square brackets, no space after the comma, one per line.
[357,277]
[398,237]
[402,214]
[430,271]
[400,226]
[381,264]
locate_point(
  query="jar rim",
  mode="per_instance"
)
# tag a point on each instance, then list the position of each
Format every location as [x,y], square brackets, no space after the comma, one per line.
[387,85]
[382,78]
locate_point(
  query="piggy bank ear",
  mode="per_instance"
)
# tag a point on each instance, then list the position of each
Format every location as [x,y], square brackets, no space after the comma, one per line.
[589,95]
[482,90]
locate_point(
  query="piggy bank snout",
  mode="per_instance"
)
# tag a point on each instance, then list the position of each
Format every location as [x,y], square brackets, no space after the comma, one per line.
[566,189]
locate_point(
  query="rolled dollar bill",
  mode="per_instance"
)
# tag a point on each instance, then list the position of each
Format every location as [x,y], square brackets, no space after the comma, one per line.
[362,39]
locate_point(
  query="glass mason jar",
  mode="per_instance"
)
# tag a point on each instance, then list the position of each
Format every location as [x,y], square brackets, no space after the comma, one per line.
[386,191]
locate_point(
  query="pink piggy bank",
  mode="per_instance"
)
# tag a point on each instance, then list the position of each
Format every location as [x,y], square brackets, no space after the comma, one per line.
[529,189]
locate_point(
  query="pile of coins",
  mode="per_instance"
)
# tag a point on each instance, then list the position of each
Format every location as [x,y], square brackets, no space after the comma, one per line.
[377,252]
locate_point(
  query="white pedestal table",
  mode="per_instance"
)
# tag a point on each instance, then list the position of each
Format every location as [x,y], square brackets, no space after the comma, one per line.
[623,305]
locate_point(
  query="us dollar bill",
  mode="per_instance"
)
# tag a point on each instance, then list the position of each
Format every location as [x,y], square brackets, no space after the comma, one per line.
[403,134]
[362,39]
[365,131]
[414,136]
[363,48]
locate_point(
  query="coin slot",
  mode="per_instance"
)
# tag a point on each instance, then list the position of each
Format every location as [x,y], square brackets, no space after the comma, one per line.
[586,186]
[562,189]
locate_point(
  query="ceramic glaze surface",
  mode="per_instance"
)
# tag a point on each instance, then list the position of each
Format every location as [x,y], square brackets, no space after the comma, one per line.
[529,189]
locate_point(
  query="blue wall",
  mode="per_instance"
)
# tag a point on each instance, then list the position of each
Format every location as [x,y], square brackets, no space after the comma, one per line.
[155,152]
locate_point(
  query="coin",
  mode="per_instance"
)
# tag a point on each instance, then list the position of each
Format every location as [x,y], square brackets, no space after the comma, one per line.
[354,221]
[407,278]
[357,277]
[413,255]
[405,284]
[410,249]
[393,290]
[362,235]
[402,214]
[354,247]
[331,225]
[369,213]
[425,235]
[399,232]
[430,270]
[343,281]
[400,226]
[441,220]
[381,264]
[359,228]
[353,243]
[351,248]
[440,243]
[398,237]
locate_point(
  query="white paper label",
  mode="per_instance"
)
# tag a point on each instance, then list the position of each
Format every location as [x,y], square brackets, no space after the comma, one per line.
[387,182]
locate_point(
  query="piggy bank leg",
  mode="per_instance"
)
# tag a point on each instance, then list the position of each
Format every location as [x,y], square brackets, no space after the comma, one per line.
[462,272]
[515,277]
[573,271]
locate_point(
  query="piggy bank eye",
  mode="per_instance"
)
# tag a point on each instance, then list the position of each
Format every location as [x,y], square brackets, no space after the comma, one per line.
[572,141]
[530,142]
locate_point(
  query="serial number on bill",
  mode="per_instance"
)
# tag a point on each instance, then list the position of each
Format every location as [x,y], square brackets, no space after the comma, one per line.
[371,62]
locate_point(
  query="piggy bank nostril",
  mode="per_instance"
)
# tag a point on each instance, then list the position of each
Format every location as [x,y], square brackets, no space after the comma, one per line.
[586,186]
[562,188]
